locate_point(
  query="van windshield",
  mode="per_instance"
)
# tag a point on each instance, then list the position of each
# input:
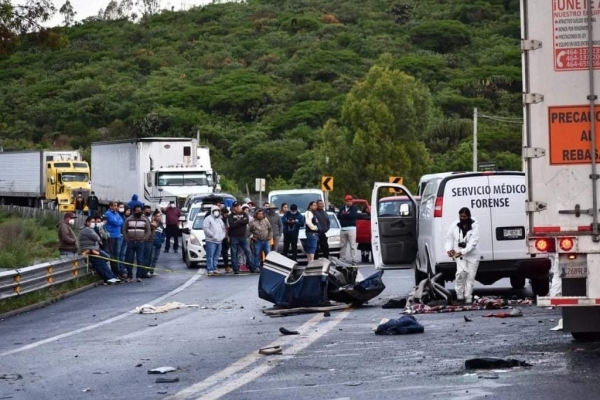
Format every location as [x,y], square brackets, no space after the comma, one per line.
[299,199]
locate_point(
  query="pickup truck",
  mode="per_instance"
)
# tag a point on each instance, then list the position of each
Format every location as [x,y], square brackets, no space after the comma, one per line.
[363,228]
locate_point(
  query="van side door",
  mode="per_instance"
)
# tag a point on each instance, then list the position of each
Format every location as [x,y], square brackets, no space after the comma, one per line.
[393,237]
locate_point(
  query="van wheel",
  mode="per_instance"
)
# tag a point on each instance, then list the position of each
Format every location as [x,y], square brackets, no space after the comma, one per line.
[517,282]
[586,336]
[540,287]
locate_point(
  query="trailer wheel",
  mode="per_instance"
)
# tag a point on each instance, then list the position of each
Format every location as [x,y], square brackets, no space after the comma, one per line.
[540,287]
[517,282]
[586,336]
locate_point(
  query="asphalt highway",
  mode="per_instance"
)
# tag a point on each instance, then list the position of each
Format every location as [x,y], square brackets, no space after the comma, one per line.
[94,346]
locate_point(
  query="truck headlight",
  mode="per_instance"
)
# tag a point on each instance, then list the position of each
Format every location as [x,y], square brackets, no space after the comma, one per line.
[194,240]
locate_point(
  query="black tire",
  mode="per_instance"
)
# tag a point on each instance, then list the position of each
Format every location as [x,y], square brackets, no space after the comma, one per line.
[517,282]
[586,336]
[189,263]
[540,287]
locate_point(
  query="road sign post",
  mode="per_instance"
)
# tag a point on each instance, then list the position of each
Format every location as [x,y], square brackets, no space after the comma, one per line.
[326,187]
[260,186]
[396,179]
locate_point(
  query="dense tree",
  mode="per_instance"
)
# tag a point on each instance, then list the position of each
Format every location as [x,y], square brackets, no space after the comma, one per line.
[265,80]
[68,13]
[381,130]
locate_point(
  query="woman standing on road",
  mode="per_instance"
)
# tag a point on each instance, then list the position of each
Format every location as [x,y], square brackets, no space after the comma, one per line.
[312,230]
[284,209]
[461,246]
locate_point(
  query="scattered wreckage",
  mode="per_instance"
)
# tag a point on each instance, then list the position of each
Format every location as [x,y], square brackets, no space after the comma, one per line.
[322,285]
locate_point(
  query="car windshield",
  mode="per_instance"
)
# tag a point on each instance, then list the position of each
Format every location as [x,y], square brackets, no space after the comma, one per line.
[198,222]
[193,213]
[74,177]
[299,199]
[182,179]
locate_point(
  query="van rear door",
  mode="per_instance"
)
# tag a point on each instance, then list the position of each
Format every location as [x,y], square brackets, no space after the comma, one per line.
[393,236]
[473,192]
[508,216]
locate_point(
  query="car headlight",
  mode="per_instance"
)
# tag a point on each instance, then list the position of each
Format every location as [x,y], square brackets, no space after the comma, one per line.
[333,239]
[194,240]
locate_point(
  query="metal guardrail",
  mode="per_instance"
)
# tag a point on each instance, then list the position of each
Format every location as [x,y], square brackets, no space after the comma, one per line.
[29,279]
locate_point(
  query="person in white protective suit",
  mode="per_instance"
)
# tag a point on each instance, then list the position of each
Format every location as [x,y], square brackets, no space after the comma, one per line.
[461,246]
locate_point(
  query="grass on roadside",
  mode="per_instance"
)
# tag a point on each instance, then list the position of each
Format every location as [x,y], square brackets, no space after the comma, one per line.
[26,241]
[53,293]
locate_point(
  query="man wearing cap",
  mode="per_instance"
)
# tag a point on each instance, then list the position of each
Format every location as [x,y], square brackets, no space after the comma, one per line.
[238,223]
[348,215]
[276,224]
[262,233]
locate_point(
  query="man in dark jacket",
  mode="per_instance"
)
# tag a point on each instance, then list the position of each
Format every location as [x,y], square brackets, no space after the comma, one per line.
[324,225]
[172,214]
[79,203]
[136,231]
[67,241]
[238,222]
[348,215]
[292,222]
[92,203]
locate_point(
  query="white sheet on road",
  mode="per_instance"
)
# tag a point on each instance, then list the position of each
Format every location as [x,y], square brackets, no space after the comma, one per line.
[148,309]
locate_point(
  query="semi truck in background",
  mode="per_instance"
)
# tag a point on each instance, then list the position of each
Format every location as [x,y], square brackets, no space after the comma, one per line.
[560,151]
[43,178]
[158,170]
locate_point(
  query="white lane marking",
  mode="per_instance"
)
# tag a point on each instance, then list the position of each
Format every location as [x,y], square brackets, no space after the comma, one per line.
[232,383]
[102,323]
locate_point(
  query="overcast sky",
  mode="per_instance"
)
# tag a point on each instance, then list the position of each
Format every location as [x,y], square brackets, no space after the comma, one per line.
[87,8]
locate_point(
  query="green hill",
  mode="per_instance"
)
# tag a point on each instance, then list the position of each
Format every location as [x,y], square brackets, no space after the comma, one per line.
[260,79]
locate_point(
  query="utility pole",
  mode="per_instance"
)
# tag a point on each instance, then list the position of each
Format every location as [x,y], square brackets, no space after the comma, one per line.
[326,194]
[475,140]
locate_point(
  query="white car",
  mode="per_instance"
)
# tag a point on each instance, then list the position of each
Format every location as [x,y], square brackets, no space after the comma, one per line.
[193,246]
[333,239]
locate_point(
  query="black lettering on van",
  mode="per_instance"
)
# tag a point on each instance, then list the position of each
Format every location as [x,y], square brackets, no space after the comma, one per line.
[490,203]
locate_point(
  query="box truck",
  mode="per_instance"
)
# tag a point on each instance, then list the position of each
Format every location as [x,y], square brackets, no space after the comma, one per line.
[43,178]
[560,59]
[158,170]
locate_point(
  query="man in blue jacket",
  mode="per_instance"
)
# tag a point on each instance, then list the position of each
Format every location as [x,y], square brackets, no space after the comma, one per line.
[114,225]
[348,215]
[292,222]
[135,202]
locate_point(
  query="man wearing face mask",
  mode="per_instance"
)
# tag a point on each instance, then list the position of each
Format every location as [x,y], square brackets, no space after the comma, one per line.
[238,238]
[461,246]
[114,227]
[92,203]
[172,215]
[79,203]
[135,231]
[67,241]
[292,222]
[89,242]
[214,231]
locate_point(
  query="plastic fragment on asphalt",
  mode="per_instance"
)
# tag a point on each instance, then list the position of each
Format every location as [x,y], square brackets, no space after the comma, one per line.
[284,331]
[161,370]
[558,327]
[271,350]
[494,363]
[14,377]
[167,380]
[149,309]
[87,390]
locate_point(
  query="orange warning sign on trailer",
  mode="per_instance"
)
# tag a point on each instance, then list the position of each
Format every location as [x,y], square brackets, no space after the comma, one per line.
[570,132]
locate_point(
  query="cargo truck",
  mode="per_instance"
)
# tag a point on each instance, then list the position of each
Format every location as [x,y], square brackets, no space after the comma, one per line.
[43,178]
[158,170]
[561,124]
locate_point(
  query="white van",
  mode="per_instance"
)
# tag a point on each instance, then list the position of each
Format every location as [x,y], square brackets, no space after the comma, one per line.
[426,178]
[300,197]
[497,201]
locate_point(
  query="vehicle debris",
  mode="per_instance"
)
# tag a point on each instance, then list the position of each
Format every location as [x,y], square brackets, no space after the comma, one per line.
[395,303]
[167,380]
[494,363]
[288,332]
[87,390]
[483,303]
[289,285]
[271,350]
[150,309]
[516,312]
[407,324]
[467,319]
[161,370]
[14,377]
